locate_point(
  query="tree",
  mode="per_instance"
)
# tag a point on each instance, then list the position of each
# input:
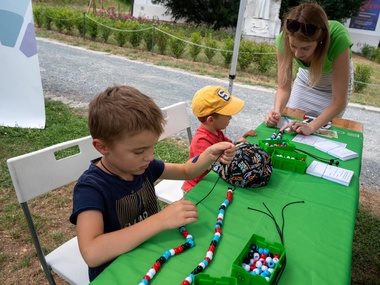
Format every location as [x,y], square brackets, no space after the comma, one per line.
[224,13]
[215,13]
[339,10]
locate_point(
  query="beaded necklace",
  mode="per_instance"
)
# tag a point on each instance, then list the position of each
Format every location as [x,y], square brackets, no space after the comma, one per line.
[189,244]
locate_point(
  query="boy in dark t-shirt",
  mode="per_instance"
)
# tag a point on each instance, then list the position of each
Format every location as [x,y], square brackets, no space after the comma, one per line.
[115,208]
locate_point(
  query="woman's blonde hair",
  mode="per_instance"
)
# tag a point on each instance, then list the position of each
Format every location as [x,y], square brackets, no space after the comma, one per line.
[307,13]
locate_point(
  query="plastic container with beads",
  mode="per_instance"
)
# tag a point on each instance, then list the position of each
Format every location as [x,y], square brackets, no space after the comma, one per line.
[205,279]
[289,160]
[270,145]
[247,273]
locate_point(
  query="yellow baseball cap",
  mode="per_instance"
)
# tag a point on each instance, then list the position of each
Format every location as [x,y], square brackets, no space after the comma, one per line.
[215,99]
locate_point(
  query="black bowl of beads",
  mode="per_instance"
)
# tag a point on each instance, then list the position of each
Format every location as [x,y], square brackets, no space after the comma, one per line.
[259,262]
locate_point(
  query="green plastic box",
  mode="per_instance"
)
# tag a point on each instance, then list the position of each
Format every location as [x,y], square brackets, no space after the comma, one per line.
[270,145]
[245,278]
[205,279]
[289,160]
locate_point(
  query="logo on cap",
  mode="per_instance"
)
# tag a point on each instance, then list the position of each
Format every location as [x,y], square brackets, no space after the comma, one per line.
[224,95]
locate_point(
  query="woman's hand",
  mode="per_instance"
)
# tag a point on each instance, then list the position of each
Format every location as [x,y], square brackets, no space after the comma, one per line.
[298,127]
[272,118]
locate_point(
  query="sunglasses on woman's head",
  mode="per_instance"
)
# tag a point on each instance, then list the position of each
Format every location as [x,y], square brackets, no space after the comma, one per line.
[307,29]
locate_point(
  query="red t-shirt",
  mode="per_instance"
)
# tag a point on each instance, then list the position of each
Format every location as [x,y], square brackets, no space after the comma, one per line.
[202,139]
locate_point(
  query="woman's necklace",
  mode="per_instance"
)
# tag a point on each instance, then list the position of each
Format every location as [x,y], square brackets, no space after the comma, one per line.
[189,244]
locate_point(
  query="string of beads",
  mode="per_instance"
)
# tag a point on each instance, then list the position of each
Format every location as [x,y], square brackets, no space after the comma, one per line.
[214,242]
[189,244]
[167,254]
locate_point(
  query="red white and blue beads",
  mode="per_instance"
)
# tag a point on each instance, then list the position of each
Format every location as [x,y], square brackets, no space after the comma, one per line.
[260,262]
[189,244]
[214,242]
[290,157]
[276,136]
[167,254]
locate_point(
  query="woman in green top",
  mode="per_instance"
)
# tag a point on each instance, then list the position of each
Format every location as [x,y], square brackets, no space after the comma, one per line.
[323,84]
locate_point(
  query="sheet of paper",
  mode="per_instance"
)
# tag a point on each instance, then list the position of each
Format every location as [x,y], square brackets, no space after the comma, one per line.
[343,153]
[328,145]
[337,174]
[330,172]
[309,140]
[282,122]
[316,168]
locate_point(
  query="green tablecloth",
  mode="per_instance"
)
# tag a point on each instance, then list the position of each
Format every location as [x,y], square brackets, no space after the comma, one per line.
[318,234]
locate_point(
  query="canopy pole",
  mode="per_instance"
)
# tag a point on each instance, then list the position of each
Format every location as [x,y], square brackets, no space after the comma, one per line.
[235,54]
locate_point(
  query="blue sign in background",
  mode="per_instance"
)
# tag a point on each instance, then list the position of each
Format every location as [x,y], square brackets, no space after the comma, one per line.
[367,17]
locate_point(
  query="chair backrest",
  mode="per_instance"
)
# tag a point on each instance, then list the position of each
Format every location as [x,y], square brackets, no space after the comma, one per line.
[177,120]
[39,172]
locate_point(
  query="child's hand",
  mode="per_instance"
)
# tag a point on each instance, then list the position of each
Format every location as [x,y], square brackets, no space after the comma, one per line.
[272,118]
[179,213]
[250,133]
[223,151]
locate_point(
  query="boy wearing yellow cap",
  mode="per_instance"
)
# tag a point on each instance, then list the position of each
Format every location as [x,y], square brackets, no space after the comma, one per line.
[214,107]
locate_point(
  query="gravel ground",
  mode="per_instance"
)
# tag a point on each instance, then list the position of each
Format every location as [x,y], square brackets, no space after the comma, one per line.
[75,75]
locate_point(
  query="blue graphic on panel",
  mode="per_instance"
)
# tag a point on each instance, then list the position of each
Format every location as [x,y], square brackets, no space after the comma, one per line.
[11,22]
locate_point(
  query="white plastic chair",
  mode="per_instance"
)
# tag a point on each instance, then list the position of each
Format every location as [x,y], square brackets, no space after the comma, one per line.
[177,120]
[39,172]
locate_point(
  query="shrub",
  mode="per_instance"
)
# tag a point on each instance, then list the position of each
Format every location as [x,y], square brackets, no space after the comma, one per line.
[161,39]
[38,15]
[104,29]
[377,55]
[263,57]
[228,49]
[211,45]
[195,49]
[58,18]
[70,18]
[177,45]
[245,54]
[92,28]
[147,35]
[120,35]
[368,51]
[48,18]
[79,23]
[134,35]
[362,76]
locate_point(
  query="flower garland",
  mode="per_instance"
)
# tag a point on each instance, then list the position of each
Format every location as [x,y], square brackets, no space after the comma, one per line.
[189,244]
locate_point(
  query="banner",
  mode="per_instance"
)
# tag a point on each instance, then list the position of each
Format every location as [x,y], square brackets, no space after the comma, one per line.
[367,17]
[21,94]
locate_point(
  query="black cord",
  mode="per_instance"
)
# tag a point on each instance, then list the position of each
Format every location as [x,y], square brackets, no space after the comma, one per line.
[325,160]
[280,233]
[212,188]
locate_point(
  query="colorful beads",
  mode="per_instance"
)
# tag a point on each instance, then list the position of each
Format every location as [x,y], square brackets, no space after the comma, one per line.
[189,244]
[167,254]
[276,136]
[214,242]
[260,261]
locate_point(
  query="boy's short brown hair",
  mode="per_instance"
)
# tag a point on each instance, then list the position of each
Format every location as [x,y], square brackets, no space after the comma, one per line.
[123,110]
